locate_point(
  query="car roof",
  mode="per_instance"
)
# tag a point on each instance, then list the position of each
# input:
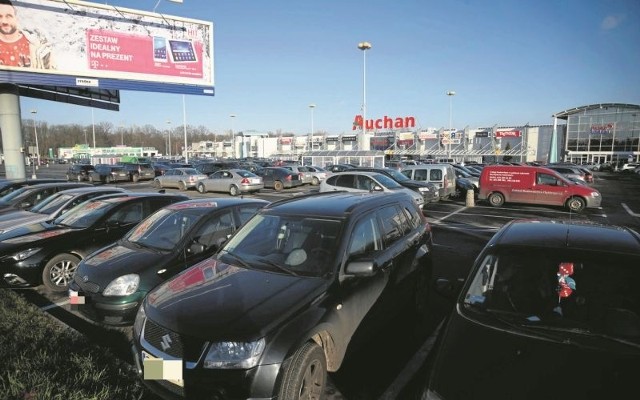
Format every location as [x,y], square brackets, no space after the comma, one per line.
[215,203]
[563,234]
[60,184]
[335,204]
[92,189]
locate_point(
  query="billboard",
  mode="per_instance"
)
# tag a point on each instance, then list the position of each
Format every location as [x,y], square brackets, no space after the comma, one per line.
[508,133]
[73,43]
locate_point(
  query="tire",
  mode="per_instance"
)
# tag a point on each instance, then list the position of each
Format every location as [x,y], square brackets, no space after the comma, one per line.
[315,181]
[576,204]
[91,179]
[68,178]
[109,179]
[135,178]
[278,186]
[157,184]
[305,374]
[79,178]
[233,190]
[59,272]
[182,186]
[201,188]
[496,199]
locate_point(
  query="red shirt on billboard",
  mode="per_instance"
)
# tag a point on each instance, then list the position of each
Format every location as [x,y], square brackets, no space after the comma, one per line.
[18,50]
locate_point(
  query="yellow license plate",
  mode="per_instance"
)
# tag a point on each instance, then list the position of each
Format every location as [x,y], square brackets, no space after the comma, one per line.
[158,369]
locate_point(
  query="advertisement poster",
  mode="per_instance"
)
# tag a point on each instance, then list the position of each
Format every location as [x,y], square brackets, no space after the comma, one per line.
[91,41]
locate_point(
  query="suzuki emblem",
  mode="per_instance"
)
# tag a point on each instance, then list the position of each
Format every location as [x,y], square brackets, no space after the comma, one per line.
[166,342]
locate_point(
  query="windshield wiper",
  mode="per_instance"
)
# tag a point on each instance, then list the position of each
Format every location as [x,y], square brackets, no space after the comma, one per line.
[147,246]
[278,266]
[239,259]
[585,332]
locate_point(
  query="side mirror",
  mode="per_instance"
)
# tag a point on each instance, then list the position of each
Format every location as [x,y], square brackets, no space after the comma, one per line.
[25,204]
[377,188]
[195,248]
[361,268]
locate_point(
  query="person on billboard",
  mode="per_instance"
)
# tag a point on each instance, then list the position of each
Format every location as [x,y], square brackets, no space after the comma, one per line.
[19,48]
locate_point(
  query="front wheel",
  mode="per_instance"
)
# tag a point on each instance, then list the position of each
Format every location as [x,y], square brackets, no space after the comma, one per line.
[233,190]
[201,188]
[496,199]
[315,181]
[278,186]
[135,178]
[182,186]
[576,204]
[80,178]
[91,180]
[305,374]
[58,272]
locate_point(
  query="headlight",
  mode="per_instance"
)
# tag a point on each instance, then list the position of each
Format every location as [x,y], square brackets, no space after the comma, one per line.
[139,321]
[230,355]
[595,194]
[24,254]
[423,189]
[122,286]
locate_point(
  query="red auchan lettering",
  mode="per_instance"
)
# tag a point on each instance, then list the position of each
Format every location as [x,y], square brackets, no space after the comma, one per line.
[384,123]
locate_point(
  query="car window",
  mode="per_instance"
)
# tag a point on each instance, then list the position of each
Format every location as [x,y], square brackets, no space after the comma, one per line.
[365,238]
[51,204]
[246,212]
[412,216]
[364,183]
[421,174]
[216,229]
[435,174]
[546,179]
[346,180]
[129,214]
[394,224]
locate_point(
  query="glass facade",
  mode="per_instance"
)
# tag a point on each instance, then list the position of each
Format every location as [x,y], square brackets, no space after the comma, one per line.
[603,133]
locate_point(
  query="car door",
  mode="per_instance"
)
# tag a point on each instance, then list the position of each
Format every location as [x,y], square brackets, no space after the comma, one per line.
[220,181]
[267,177]
[549,189]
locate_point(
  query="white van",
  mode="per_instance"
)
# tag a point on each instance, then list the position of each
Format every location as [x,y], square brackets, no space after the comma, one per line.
[442,175]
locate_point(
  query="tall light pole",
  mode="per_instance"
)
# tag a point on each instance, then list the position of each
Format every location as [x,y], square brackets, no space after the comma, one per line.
[35,133]
[184,126]
[233,139]
[311,106]
[169,138]
[450,93]
[364,46]
[173,1]
[93,126]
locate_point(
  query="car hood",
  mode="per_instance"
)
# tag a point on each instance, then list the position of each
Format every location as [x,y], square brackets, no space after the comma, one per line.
[18,218]
[116,260]
[217,301]
[492,360]
[33,233]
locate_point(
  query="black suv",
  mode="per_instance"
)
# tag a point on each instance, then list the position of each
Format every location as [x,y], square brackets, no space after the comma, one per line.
[277,306]
[79,172]
[139,171]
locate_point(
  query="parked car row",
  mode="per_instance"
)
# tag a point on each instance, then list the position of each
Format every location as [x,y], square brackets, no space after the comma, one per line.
[110,173]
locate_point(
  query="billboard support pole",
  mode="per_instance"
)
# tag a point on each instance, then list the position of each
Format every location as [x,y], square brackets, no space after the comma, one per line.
[10,126]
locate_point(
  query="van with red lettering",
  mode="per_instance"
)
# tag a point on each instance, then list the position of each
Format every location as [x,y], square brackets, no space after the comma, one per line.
[501,184]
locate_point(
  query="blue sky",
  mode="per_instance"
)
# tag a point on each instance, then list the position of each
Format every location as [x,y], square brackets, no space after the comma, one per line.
[509,61]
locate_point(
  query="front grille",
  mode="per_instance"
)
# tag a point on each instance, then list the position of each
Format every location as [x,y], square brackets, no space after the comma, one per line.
[160,337]
[89,287]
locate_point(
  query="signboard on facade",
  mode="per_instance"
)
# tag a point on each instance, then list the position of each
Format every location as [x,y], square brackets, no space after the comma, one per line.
[427,135]
[508,133]
[602,129]
[482,134]
[73,43]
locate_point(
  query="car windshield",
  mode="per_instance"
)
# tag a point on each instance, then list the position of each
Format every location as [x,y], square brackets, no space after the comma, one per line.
[15,194]
[387,182]
[565,291]
[397,175]
[52,203]
[85,214]
[292,244]
[164,229]
[191,171]
[246,174]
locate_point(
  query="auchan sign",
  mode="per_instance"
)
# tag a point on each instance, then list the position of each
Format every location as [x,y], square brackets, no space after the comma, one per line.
[384,123]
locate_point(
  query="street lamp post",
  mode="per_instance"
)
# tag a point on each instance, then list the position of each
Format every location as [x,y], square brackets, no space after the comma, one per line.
[450,93]
[364,46]
[93,127]
[168,151]
[35,133]
[184,126]
[233,139]
[311,106]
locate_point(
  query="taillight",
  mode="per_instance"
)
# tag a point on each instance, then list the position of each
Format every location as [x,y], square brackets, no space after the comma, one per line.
[288,177]
[244,181]
[446,183]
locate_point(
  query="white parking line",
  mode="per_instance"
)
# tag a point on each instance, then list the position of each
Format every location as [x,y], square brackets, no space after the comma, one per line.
[54,305]
[412,366]
[629,210]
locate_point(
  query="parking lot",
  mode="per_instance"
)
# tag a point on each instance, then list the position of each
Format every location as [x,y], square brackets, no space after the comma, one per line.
[390,365]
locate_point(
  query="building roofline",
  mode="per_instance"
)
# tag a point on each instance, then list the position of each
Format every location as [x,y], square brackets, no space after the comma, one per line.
[566,113]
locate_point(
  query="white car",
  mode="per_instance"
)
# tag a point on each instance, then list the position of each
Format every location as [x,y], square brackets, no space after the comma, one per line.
[364,181]
[318,174]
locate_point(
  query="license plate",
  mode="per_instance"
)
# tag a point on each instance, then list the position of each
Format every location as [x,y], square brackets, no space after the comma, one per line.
[177,382]
[255,180]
